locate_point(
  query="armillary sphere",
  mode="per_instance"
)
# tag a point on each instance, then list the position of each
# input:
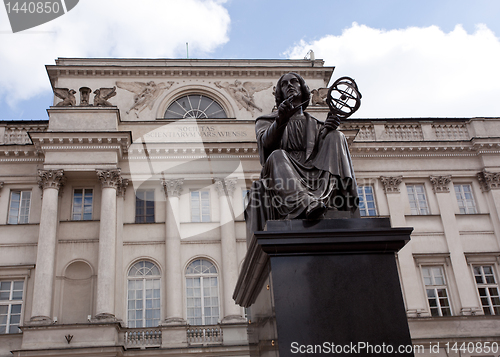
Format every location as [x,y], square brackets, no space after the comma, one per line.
[343,97]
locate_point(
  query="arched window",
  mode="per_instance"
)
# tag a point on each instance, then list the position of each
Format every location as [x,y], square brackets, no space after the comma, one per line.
[195,106]
[143,298]
[202,291]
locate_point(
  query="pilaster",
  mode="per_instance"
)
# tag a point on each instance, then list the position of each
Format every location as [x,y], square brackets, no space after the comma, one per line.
[414,297]
[50,181]
[173,269]
[110,180]
[225,188]
[467,291]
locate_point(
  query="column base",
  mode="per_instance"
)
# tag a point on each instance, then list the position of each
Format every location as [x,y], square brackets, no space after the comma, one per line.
[40,320]
[174,321]
[233,319]
[104,317]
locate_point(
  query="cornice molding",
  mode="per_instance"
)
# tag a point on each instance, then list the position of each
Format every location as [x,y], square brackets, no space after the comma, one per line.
[391,183]
[440,183]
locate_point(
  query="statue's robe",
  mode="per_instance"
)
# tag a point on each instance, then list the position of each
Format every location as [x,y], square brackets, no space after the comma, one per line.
[300,166]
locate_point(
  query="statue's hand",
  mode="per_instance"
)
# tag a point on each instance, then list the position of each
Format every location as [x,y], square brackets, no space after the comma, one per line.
[332,122]
[285,111]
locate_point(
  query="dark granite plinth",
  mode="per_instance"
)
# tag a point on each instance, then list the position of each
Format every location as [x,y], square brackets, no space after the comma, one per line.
[323,284]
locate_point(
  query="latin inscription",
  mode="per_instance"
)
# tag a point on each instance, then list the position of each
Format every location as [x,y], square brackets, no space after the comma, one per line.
[196,132]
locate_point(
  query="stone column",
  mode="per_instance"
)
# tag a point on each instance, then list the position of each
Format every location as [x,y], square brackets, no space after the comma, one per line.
[173,270]
[50,181]
[110,181]
[225,189]
[414,297]
[490,185]
[466,287]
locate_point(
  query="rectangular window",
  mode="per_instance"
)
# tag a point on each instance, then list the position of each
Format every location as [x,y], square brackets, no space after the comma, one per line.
[145,206]
[366,201]
[437,294]
[82,204]
[11,303]
[418,201]
[200,206]
[19,208]
[465,199]
[487,287]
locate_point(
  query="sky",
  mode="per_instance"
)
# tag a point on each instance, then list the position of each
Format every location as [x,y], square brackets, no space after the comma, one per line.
[410,58]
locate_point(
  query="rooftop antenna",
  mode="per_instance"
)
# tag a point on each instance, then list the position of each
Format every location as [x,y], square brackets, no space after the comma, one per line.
[311,57]
[187,50]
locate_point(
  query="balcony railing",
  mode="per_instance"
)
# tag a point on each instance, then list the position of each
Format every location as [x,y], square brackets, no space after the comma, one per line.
[204,334]
[142,337]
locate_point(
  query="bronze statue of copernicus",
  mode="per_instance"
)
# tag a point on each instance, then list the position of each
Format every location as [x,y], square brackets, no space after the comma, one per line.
[307,168]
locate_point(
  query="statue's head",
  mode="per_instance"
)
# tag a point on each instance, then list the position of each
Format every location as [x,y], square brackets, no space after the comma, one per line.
[280,95]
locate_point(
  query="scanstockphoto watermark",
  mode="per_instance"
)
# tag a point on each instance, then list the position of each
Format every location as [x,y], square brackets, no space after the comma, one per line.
[355,348]
[340,197]
[24,15]
[437,348]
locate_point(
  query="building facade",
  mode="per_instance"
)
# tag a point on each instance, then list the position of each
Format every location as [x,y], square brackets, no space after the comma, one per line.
[121,217]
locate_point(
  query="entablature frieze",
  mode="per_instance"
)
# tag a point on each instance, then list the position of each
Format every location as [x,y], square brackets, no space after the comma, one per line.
[61,141]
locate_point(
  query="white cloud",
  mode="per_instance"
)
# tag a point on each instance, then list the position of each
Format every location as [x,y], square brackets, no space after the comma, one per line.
[108,28]
[416,72]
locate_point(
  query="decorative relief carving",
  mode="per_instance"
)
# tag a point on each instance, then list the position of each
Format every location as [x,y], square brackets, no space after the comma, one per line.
[489,180]
[391,184]
[243,93]
[451,131]
[67,96]
[122,188]
[366,131]
[84,96]
[110,178]
[51,179]
[145,94]
[225,186]
[318,96]
[440,183]
[172,188]
[404,132]
[102,95]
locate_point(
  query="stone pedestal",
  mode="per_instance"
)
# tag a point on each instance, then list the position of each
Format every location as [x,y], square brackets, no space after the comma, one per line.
[321,286]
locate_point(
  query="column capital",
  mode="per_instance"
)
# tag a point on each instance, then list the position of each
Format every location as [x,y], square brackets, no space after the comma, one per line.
[225,186]
[172,188]
[391,183]
[489,180]
[110,178]
[51,179]
[122,188]
[440,183]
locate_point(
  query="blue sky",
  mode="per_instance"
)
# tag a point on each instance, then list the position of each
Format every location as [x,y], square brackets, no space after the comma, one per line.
[410,58]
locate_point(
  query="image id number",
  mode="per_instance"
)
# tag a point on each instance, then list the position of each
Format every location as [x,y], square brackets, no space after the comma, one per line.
[46,7]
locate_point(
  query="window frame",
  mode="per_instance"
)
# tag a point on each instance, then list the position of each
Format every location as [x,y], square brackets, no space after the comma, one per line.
[22,192]
[145,215]
[200,206]
[83,204]
[202,276]
[494,309]
[435,288]
[9,303]
[464,200]
[417,201]
[144,308]
[362,187]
